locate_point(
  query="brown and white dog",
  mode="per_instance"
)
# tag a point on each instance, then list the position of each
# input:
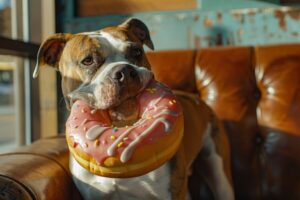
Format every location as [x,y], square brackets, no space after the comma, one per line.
[107,69]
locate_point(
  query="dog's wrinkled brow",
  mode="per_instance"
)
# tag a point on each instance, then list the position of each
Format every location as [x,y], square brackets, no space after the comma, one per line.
[108,40]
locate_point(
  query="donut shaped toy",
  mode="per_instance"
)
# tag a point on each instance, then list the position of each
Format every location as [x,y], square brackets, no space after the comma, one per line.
[132,150]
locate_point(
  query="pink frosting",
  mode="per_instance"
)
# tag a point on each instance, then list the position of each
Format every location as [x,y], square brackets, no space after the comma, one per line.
[93,132]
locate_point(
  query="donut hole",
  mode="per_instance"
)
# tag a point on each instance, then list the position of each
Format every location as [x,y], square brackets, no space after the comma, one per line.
[120,124]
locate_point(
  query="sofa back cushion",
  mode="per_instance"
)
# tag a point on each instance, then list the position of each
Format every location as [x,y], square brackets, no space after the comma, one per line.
[174,68]
[256,92]
[226,82]
[277,72]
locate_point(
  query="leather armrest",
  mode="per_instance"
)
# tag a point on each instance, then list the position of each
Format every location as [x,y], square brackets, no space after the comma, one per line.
[38,171]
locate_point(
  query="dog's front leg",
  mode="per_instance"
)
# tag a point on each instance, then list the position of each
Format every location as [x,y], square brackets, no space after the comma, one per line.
[215,163]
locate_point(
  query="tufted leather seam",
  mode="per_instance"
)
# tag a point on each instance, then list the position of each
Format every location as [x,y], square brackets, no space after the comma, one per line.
[257,98]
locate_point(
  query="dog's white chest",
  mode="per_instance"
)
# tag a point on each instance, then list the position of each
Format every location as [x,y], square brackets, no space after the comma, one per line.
[154,185]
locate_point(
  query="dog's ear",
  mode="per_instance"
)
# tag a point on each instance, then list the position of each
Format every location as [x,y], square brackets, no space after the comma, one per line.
[50,51]
[140,30]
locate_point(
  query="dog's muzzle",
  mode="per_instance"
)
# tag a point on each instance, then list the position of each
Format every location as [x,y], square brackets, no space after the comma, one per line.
[113,85]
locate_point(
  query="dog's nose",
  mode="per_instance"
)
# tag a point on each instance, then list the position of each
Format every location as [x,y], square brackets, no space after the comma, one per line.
[122,73]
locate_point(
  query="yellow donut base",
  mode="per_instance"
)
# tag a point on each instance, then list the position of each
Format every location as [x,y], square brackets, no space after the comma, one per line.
[143,160]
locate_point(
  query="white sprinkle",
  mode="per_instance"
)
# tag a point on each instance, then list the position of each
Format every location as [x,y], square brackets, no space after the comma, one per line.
[85,145]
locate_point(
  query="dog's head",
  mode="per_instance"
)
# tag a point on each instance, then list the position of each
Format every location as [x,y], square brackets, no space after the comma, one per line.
[105,68]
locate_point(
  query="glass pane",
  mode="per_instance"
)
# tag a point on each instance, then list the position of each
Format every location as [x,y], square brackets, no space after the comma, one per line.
[8,108]
[5,18]
[11,88]
[7,114]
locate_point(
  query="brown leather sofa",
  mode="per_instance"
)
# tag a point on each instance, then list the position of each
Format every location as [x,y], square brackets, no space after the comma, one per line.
[255,91]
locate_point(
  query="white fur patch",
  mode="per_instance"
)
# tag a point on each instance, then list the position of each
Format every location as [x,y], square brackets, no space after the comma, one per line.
[115,42]
[109,41]
[154,185]
[222,187]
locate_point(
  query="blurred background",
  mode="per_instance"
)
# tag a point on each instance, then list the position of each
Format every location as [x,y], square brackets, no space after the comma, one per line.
[31,109]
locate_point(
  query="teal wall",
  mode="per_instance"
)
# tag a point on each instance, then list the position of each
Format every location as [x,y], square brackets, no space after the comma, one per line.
[215,22]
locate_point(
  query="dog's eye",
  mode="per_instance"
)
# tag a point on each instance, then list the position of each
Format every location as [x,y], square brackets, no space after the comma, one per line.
[88,61]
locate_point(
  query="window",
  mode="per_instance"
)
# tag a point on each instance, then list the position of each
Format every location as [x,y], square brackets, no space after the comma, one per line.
[8,109]
[20,111]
